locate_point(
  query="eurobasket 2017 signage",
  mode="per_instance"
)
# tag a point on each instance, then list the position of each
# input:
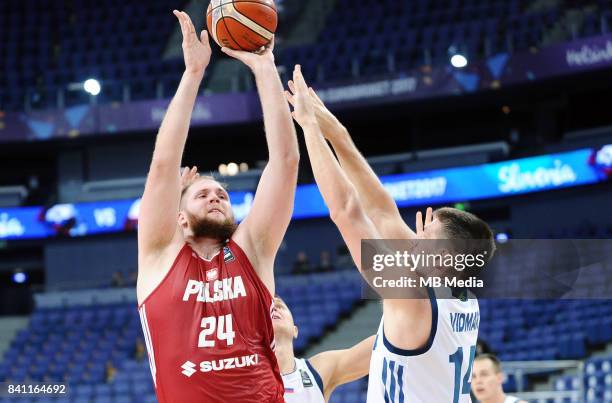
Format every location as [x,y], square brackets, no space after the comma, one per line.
[508,178]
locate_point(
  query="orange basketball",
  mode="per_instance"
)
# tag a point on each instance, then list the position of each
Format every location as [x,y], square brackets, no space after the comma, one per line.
[242,24]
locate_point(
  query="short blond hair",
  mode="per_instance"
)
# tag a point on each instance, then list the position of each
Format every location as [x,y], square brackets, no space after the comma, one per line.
[202,177]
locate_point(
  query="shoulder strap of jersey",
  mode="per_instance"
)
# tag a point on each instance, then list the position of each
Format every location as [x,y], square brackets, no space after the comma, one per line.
[316,375]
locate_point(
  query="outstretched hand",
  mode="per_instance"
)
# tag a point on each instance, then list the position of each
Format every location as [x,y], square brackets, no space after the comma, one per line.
[196,50]
[303,104]
[330,126]
[253,60]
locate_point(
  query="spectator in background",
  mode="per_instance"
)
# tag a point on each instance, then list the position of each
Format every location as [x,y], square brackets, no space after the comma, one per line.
[133,278]
[139,350]
[481,348]
[325,261]
[117,280]
[110,372]
[344,257]
[487,381]
[301,264]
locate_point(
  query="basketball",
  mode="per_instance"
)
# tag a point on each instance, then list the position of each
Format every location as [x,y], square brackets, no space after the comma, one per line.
[242,24]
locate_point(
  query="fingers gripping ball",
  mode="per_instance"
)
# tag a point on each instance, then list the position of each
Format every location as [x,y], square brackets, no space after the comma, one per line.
[242,24]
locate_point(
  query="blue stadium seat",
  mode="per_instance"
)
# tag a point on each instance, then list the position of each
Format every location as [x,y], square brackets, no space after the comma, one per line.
[529,330]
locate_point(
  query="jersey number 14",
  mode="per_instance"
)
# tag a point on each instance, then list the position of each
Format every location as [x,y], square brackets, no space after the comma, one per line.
[224,327]
[457,360]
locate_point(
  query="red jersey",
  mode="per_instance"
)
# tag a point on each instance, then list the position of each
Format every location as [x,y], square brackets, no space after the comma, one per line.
[208,331]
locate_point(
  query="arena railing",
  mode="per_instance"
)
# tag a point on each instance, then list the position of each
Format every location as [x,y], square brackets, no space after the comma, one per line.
[65,299]
[12,195]
[521,368]
[111,189]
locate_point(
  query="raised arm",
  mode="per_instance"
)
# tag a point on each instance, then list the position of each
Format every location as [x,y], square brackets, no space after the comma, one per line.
[338,367]
[157,224]
[377,202]
[349,216]
[338,192]
[264,228]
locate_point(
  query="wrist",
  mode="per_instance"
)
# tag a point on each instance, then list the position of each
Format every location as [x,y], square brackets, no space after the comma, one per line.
[264,68]
[194,74]
[310,125]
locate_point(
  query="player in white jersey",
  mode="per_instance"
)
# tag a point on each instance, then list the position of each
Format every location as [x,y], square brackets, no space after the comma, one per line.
[439,370]
[313,380]
[416,375]
[488,380]
[424,349]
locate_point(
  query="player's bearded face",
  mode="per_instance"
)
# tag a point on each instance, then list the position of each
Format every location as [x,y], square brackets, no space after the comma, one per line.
[205,227]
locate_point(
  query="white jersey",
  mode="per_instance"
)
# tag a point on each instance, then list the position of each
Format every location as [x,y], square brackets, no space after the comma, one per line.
[511,399]
[440,371]
[303,385]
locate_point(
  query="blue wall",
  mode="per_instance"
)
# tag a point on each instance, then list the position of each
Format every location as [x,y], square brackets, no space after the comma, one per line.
[89,261]
[94,259]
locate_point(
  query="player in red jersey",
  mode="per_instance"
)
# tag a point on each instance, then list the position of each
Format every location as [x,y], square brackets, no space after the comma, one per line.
[205,285]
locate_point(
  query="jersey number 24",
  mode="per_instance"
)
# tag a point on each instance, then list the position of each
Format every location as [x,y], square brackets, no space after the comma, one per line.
[224,327]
